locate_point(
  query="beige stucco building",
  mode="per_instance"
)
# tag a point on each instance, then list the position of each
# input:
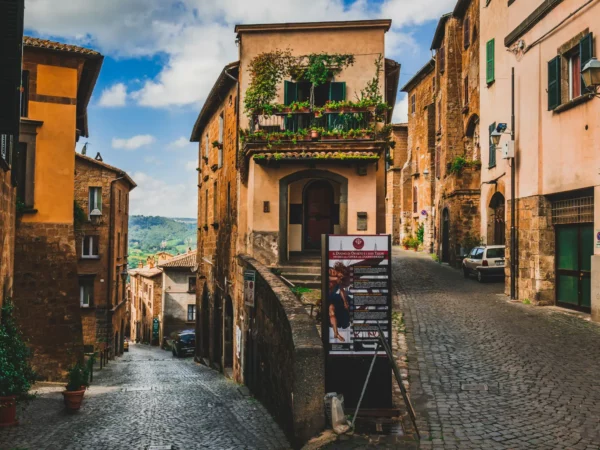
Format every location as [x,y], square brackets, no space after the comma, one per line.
[556,146]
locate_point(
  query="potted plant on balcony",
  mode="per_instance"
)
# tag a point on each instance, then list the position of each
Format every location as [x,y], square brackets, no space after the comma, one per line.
[78,380]
[16,374]
[315,133]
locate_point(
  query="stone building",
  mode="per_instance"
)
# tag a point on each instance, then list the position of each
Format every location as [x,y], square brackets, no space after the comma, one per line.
[268,190]
[418,174]
[457,164]
[557,259]
[102,200]
[179,293]
[146,303]
[393,192]
[58,83]
[8,201]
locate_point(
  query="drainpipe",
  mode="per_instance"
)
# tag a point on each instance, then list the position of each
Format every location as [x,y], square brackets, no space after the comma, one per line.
[110,254]
[513,237]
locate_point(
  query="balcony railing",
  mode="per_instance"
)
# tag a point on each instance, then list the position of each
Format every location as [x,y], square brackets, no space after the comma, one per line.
[326,121]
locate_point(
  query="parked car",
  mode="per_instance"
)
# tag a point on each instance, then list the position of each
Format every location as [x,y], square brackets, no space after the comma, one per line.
[485,262]
[184,344]
[126,345]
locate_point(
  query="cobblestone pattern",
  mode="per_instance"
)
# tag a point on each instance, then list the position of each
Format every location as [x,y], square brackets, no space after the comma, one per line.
[485,373]
[146,398]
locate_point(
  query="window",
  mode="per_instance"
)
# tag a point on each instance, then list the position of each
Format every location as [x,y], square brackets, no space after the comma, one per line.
[439,115]
[490,61]
[466,88]
[495,253]
[442,59]
[192,284]
[86,291]
[413,103]
[478,254]
[119,192]
[467,32]
[554,83]
[89,247]
[25,93]
[221,121]
[191,315]
[95,202]
[492,155]
[438,153]
[574,74]
[126,245]
[215,204]
[415,199]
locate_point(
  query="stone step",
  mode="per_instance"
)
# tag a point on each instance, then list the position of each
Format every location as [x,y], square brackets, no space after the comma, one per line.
[316,270]
[302,276]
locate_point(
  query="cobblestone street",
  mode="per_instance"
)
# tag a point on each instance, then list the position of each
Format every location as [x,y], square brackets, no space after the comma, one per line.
[148,398]
[485,373]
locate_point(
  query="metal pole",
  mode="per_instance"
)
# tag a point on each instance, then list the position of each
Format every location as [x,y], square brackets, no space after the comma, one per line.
[513,230]
[365,385]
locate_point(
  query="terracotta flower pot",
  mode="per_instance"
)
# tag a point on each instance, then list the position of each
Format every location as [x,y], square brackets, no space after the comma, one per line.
[73,399]
[8,411]
[314,134]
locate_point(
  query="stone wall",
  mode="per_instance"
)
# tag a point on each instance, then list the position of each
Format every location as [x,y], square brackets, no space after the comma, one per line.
[177,299]
[7,234]
[287,355]
[393,198]
[46,296]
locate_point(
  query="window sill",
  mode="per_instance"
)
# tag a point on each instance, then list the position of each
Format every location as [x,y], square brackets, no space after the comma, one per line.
[572,103]
[87,307]
[93,258]
[28,211]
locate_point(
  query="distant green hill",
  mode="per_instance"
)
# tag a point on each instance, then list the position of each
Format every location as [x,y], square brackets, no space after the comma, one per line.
[151,234]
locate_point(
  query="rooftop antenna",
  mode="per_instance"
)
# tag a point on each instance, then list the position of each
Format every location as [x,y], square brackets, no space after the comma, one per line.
[84,149]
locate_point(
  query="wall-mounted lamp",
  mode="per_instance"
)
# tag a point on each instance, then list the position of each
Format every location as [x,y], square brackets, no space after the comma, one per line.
[591,77]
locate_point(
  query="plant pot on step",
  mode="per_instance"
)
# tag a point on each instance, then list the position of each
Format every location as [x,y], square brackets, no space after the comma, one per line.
[73,399]
[8,411]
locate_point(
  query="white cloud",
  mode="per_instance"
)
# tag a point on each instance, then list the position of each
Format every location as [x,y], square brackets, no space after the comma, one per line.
[196,36]
[401,111]
[182,142]
[153,196]
[113,96]
[134,142]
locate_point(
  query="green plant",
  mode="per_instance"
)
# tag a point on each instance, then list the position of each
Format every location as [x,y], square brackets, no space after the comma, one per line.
[420,233]
[527,302]
[470,241]
[371,91]
[16,374]
[216,144]
[406,241]
[79,216]
[435,257]
[458,163]
[78,375]
[299,290]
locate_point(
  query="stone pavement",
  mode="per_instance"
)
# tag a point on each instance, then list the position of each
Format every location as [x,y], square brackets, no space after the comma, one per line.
[488,373]
[148,398]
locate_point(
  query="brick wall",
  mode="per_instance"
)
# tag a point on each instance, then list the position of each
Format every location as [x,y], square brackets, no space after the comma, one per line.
[7,234]
[46,295]
[393,200]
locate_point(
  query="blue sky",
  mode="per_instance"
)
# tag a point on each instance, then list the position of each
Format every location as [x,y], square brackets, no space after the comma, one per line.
[162,57]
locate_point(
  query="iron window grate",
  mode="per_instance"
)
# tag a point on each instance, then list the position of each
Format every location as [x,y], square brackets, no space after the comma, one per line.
[575,210]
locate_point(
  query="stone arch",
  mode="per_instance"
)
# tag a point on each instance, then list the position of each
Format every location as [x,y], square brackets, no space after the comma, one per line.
[496,219]
[472,138]
[283,203]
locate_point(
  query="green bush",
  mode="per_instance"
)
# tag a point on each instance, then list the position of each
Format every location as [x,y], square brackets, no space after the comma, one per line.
[421,233]
[16,374]
[78,376]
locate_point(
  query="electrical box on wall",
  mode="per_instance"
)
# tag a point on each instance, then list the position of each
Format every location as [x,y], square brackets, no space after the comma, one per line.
[508,150]
[361,221]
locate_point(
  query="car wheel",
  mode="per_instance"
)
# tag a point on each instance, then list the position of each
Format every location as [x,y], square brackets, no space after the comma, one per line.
[480,277]
[465,272]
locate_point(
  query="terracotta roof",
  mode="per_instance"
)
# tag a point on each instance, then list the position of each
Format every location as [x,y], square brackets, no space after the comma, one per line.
[107,166]
[187,260]
[461,8]
[29,41]
[288,155]
[440,31]
[146,272]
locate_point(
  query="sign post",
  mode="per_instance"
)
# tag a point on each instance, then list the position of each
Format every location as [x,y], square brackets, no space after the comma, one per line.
[356,299]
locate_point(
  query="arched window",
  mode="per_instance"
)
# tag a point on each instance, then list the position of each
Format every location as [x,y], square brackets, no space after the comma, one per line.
[415,199]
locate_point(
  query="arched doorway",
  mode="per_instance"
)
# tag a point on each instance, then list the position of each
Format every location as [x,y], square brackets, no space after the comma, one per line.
[217,355]
[472,146]
[496,220]
[445,236]
[318,209]
[205,331]
[228,359]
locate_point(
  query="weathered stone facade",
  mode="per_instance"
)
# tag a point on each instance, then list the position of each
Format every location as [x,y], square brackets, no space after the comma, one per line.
[393,196]
[103,265]
[7,233]
[146,303]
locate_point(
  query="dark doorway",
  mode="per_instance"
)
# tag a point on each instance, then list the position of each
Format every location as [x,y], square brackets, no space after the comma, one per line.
[217,332]
[228,332]
[445,236]
[318,211]
[205,325]
[574,249]
[496,224]
[116,343]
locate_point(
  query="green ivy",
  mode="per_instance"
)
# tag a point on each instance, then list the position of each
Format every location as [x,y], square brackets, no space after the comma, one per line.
[79,216]
[458,163]
[16,374]
[421,233]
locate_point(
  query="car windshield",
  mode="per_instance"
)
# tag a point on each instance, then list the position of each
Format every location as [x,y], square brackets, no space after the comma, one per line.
[187,338]
[495,253]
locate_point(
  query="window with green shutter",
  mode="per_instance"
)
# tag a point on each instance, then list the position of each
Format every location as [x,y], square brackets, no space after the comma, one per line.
[586,51]
[490,61]
[337,93]
[290,95]
[554,83]
[492,155]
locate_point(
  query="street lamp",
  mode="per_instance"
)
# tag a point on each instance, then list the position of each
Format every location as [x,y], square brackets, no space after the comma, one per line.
[591,77]
[124,275]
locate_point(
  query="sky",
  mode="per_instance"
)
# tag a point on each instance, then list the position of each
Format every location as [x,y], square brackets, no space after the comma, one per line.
[162,58]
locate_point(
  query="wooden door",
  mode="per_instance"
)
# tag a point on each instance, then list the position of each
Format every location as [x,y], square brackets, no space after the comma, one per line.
[318,204]
[574,248]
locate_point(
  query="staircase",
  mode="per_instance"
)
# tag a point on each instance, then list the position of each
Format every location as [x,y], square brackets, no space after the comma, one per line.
[303,269]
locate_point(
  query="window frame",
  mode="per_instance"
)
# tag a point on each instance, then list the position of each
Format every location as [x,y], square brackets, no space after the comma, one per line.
[190,283]
[86,282]
[93,244]
[413,103]
[191,309]
[490,59]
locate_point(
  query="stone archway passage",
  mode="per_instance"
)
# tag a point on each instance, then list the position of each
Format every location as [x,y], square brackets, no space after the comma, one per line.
[284,202]
[496,220]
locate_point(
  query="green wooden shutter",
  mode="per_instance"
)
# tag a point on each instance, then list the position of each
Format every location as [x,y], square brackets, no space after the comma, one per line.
[492,155]
[586,52]
[490,61]
[554,83]
[290,95]
[337,93]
